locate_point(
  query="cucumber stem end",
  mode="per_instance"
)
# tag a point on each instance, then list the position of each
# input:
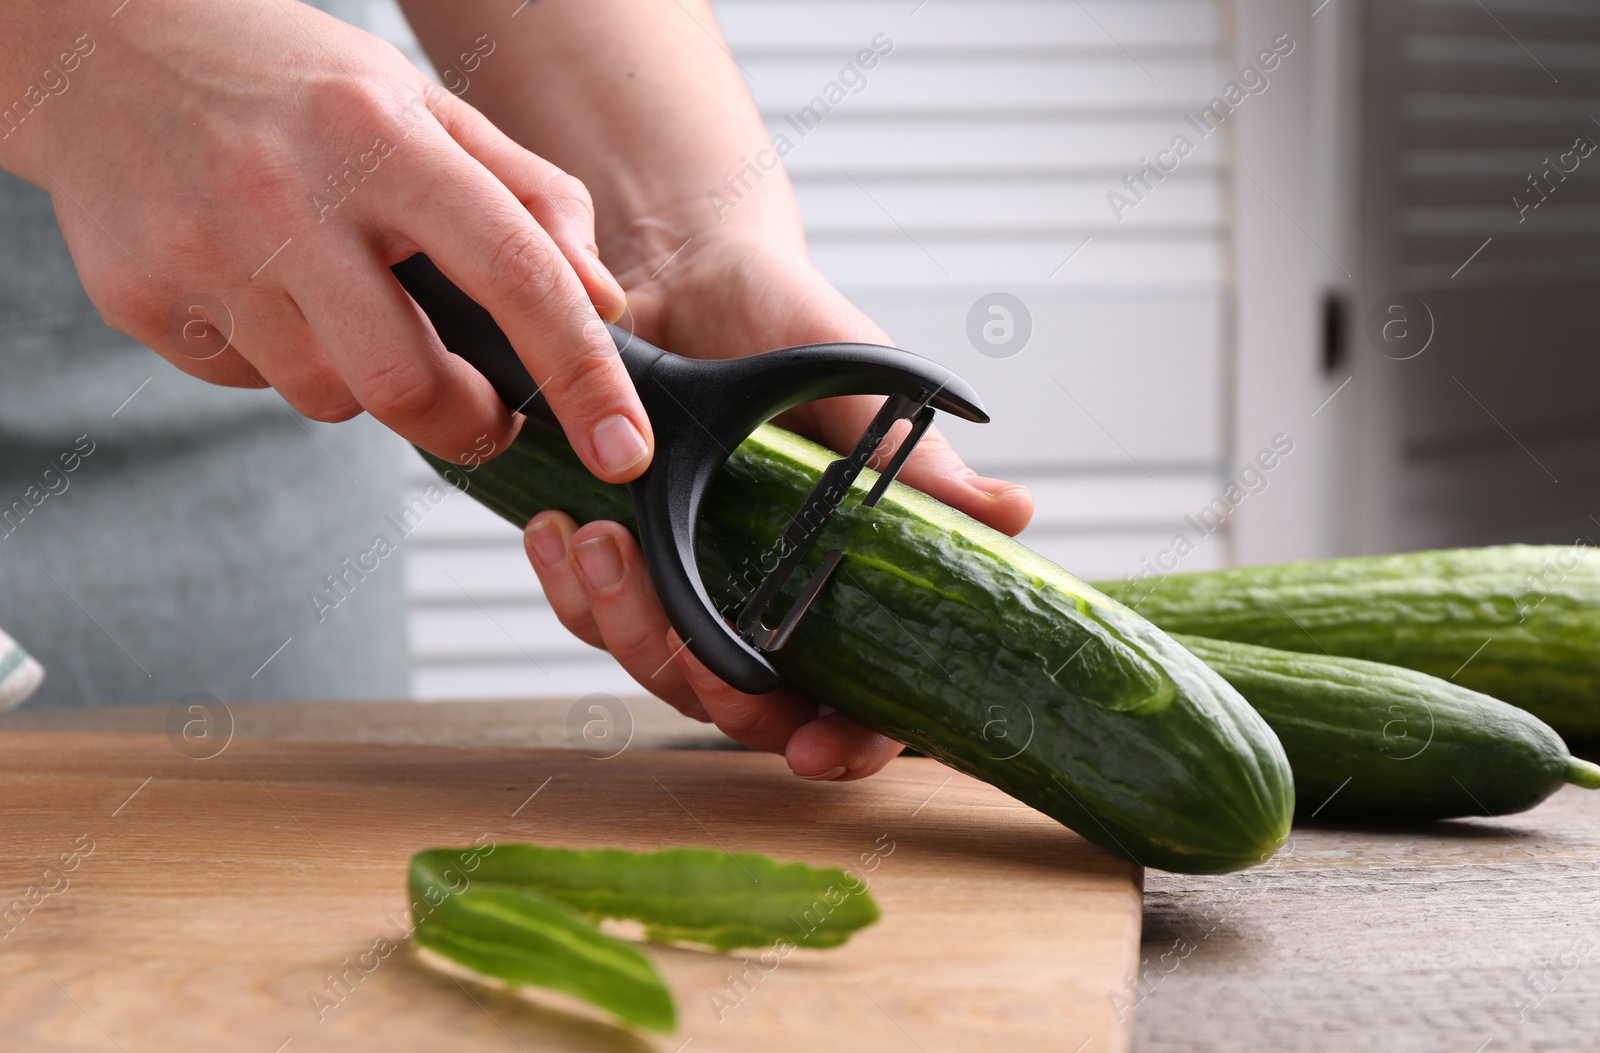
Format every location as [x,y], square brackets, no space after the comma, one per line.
[1582,773]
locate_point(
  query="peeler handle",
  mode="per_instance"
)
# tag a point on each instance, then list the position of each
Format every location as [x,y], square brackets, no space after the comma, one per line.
[466,329]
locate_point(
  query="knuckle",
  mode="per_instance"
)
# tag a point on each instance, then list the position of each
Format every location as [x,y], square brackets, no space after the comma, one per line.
[634,647]
[119,299]
[596,352]
[331,409]
[522,268]
[397,388]
[319,396]
[579,623]
[231,371]
[737,717]
[358,101]
[567,193]
[585,389]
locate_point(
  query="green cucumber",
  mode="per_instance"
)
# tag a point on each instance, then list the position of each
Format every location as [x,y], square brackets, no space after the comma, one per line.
[1373,741]
[961,642]
[1519,622]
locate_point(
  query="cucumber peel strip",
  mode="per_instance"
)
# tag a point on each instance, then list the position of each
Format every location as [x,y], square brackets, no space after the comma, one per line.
[528,914]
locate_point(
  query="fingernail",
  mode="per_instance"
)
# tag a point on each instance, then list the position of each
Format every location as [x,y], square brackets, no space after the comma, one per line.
[826,776]
[549,547]
[986,485]
[600,561]
[618,443]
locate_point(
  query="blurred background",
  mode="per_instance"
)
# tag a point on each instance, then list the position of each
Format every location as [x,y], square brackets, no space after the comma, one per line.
[1329,326]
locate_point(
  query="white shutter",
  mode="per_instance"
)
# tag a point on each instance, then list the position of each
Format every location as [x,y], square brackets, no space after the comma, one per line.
[977,159]
[1497,436]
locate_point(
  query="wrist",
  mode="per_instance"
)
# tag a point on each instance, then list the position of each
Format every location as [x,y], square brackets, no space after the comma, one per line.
[636,242]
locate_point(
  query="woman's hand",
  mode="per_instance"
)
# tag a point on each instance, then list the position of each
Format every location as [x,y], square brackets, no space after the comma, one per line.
[234,181]
[726,294]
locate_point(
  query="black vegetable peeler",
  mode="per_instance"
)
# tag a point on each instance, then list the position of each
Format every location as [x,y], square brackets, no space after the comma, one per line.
[700,412]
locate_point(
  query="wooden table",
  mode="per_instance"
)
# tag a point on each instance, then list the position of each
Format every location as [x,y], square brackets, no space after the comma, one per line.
[1435,938]
[1470,936]
[208,904]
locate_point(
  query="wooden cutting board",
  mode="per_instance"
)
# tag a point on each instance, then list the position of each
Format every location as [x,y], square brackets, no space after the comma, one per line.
[210,900]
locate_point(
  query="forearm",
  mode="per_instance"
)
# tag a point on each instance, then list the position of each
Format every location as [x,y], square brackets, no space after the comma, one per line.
[637,98]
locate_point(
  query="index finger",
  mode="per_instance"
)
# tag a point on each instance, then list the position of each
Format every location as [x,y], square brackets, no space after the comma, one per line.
[485,241]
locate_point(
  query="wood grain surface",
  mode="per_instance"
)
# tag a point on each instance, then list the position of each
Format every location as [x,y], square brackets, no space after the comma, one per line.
[1468,936]
[556,723]
[210,900]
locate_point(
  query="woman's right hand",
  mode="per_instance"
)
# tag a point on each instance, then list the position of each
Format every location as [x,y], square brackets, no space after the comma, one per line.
[234,180]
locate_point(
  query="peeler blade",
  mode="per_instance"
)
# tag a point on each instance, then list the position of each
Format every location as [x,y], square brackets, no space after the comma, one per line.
[807,524]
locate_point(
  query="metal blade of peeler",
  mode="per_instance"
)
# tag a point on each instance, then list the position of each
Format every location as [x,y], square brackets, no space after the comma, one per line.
[819,506]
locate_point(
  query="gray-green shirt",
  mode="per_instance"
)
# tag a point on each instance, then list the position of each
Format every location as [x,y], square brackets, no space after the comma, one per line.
[160,536]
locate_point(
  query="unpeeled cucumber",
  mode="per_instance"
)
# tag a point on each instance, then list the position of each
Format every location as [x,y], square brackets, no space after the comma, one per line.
[1519,622]
[1377,742]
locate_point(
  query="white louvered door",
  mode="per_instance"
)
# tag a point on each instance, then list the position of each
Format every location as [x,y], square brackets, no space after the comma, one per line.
[1476,108]
[977,159]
